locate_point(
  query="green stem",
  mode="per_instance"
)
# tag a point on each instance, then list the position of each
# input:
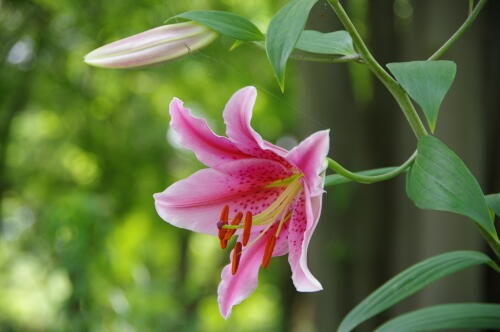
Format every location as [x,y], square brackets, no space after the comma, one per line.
[394,88]
[362,178]
[492,242]
[472,16]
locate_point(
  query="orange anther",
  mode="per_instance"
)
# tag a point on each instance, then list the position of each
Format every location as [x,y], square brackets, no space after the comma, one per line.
[268,251]
[247,228]
[224,217]
[236,221]
[223,244]
[236,257]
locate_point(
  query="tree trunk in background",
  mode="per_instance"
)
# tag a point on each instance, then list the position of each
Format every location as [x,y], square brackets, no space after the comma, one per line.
[369,233]
[461,127]
[491,71]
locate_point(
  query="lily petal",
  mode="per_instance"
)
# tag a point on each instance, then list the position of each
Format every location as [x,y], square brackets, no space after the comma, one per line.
[237,117]
[309,156]
[196,135]
[304,220]
[235,288]
[195,203]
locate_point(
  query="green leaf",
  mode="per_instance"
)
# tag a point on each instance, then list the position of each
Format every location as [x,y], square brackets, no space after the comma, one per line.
[493,201]
[226,23]
[409,282]
[446,316]
[338,42]
[427,82]
[284,32]
[439,180]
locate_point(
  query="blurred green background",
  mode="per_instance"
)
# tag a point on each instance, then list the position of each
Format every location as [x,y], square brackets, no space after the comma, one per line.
[83,149]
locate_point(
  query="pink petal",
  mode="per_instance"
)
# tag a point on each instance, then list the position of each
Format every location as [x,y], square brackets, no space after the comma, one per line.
[309,156]
[237,116]
[304,220]
[196,202]
[235,288]
[195,135]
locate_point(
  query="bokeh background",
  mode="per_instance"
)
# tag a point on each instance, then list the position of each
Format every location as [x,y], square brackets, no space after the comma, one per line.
[83,149]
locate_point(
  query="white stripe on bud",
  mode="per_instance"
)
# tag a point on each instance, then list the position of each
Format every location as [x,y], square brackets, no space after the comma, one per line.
[151,47]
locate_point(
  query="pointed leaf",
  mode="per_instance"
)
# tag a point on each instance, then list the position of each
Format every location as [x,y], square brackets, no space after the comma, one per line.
[427,82]
[226,23]
[439,180]
[338,42]
[493,201]
[447,316]
[284,32]
[409,282]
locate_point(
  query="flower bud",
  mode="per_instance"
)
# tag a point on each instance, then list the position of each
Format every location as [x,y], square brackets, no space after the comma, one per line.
[151,47]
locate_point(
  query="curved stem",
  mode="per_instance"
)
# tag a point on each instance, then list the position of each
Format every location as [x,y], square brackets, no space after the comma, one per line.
[361,178]
[459,32]
[394,88]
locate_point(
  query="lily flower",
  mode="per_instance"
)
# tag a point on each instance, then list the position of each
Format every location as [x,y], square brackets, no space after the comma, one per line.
[152,47]
[265,196]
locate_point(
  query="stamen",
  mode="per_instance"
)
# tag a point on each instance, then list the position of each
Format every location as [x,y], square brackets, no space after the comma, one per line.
[236,221]
[223,244]
[278,209]
[273,209]
[247,228]
[224,216]
[236,258]
[268,252]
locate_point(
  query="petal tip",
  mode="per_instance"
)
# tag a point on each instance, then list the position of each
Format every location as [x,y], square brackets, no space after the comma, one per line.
[175,102]
[312,285]
[247,92]
[224,313]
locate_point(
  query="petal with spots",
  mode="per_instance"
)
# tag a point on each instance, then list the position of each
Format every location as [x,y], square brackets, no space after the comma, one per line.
[195,203]
[195,135]
[304,220]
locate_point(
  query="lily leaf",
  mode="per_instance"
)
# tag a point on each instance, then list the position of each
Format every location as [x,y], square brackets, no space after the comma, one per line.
[409,282]
[439,180]
[284,32]
[338,42]
[447,316]
[226,23]
[427,82]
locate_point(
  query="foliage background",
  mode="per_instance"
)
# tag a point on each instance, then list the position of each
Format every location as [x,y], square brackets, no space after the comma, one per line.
[83,149]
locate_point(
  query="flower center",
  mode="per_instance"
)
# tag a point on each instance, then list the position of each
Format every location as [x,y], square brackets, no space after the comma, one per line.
[278,212]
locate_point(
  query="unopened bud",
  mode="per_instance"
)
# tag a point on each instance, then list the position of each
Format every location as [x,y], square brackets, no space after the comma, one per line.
[151,47]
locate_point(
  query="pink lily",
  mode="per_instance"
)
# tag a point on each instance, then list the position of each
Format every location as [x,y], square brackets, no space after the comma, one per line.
[270,198]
